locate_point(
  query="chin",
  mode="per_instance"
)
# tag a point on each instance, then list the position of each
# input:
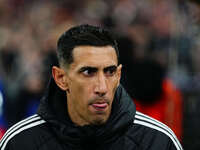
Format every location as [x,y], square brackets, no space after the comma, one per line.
[99,121]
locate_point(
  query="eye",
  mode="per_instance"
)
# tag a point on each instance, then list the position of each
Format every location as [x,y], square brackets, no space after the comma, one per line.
[88,71]
[110,71]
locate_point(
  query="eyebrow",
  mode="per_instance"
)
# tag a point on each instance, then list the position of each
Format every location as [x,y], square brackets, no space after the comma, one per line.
[94,69]
[82,69]
[113,67]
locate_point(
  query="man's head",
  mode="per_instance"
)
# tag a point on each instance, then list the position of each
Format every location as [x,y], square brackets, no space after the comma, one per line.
[88,72]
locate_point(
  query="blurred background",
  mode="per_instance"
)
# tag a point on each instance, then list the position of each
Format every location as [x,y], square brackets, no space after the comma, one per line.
[159,48]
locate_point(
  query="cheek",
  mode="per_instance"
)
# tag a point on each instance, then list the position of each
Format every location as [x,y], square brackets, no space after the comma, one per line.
[114,81]
[81,92]
[80,99]
[112,85]
[76,86]
[85,88]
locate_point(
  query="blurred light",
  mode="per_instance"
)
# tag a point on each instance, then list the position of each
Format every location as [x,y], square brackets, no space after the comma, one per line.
[1,103]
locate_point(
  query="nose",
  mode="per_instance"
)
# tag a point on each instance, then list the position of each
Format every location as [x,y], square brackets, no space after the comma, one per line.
[101,85]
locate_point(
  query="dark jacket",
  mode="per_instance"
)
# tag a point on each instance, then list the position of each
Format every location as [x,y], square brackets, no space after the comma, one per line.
[52,129]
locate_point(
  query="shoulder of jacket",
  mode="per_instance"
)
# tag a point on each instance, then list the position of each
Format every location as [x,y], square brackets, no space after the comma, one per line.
[20,128]
[149,122]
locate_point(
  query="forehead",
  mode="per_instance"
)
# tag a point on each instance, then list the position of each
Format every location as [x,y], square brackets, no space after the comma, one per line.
[94,56]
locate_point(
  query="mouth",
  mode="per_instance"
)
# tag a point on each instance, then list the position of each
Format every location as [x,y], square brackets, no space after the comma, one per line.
[100,106]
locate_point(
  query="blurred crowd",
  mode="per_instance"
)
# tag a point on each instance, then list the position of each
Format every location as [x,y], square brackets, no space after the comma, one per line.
[165,33]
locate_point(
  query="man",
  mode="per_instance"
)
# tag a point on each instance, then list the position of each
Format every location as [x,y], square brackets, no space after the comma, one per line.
[85,106]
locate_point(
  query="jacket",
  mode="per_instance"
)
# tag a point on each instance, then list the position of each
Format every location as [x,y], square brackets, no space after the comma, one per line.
[51,128]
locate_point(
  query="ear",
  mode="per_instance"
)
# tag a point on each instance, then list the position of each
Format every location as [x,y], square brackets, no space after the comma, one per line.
[119,68]
[60,78]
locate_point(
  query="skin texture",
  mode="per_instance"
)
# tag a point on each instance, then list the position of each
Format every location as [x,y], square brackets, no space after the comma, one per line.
[90,83]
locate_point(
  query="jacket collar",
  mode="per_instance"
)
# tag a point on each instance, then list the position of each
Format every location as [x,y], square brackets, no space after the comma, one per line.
[53,109]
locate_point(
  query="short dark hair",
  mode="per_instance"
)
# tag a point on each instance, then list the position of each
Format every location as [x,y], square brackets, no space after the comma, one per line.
[83,35]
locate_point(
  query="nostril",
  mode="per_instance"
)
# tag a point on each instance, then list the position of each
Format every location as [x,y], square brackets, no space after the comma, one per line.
[101,94]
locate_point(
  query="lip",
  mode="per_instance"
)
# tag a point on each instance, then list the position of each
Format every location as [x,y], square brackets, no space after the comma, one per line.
[100,106]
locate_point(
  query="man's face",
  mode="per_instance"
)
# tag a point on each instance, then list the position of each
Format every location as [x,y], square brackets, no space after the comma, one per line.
[92,80]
